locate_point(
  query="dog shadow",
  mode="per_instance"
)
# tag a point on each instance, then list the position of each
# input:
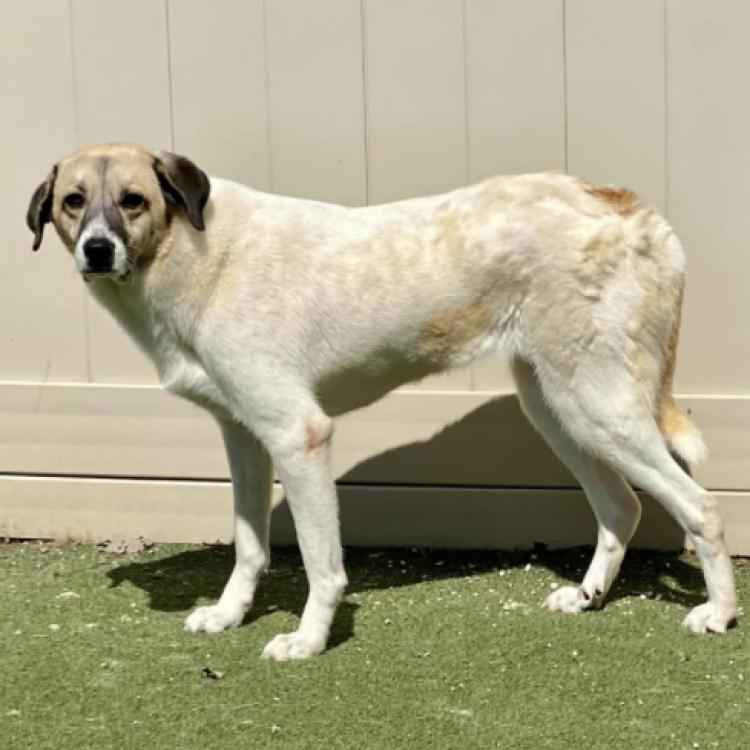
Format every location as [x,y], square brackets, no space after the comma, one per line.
[177,582]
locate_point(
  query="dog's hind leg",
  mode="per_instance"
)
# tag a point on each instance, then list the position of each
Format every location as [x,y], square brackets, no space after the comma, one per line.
[252,479]
[615,505]
[606,414]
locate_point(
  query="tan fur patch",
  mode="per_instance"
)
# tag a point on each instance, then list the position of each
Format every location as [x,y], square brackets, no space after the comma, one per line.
[620,200]
[450,333]
[670,419]
[451,237]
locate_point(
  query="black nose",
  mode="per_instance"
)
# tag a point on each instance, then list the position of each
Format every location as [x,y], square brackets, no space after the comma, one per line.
[100,253]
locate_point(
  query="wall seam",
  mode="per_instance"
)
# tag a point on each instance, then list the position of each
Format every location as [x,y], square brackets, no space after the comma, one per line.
[467,149]
[74,76]
[169,73]
[665,32]
[565,82]
[365,94]
[77,139]
[267,82]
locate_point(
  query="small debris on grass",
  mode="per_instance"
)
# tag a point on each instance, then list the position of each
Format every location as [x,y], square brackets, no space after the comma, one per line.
[462,712]
[275,728]
[211,674]
[68,595]
[54,626]
[125,546]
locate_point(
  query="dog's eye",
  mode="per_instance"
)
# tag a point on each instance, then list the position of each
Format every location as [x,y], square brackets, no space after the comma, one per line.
[132,201]
[73,201]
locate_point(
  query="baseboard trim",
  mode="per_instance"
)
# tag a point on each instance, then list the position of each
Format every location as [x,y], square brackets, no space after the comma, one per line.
[92,509]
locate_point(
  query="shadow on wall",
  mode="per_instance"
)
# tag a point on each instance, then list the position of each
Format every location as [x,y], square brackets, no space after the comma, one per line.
[494,445]
[486,481]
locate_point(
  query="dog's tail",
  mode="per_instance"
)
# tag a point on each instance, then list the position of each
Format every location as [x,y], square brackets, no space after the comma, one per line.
[682,437]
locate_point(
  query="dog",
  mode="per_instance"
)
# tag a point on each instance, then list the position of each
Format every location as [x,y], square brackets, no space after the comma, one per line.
[277,314]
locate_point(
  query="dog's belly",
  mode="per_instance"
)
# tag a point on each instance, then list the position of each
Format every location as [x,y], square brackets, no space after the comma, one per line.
[359,385]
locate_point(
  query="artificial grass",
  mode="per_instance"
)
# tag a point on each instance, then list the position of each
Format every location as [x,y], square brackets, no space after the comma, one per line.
[430,649]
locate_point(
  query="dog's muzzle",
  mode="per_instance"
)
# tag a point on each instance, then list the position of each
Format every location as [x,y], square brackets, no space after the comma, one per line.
[100,251]
[100,254]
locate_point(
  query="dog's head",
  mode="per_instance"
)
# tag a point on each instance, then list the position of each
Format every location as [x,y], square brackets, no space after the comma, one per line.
[112,205]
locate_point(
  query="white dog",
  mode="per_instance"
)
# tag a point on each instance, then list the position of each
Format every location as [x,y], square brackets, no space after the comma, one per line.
[277,314]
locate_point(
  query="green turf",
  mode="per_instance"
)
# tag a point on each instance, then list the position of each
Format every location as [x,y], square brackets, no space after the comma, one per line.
[430,649]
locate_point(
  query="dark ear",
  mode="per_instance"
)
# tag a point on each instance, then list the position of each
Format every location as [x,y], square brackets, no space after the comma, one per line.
[40,208]
[183,183]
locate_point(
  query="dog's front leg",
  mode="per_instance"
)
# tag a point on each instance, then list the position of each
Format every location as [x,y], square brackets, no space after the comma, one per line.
[300,448]
[252,478]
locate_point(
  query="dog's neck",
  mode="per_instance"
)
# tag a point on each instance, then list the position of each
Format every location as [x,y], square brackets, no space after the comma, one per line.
[149,304]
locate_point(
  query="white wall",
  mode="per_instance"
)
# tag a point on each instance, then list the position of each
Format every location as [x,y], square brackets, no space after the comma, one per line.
[360,102]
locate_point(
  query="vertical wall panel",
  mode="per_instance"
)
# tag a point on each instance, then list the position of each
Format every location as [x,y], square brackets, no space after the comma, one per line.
[121,61]
[41,300]
[615,94]
[516,86]
[217,53]
[709,163]
[416,97]
[316,99]
[415,72]
[122,71]
[516,103]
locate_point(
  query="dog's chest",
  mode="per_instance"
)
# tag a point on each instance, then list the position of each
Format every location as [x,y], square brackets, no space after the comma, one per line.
[179,367]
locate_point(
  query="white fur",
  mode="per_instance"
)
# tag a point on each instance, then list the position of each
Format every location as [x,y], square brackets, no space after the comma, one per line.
[286,313]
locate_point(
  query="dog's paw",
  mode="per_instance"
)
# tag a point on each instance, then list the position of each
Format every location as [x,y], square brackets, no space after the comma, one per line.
[570,599]
[708,618]
[289,646]
[213,619]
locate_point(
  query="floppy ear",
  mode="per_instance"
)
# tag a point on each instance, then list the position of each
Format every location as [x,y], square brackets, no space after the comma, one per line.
[40,208]
[182,182]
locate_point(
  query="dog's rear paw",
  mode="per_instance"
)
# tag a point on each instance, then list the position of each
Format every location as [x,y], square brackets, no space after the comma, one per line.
[708,618]
[288,646]
[213,619]
[570,599]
